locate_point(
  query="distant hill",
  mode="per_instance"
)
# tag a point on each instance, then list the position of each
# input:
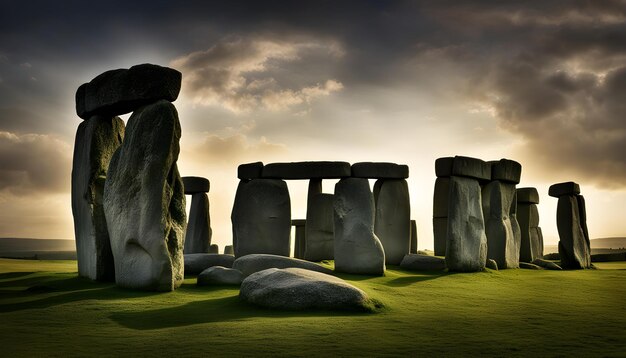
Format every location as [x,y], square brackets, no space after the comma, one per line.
[22,244]
[608,243]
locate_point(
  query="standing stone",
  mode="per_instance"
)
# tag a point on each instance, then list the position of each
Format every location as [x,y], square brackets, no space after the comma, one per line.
[500,213]
[214,249]
[392,224]
[531,244]
[228,250]
[198,236]
[261,218]
[96,140]
[319,230]
[574,247]
[144,201]
[413,237]
[466,246]
[441,198]
[357,249]
[300,240]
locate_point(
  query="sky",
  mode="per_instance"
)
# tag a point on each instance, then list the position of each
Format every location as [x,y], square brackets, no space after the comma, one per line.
[542,83]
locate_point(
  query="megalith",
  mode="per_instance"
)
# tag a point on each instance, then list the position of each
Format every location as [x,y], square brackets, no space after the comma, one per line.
[357,249]
[392,222]
[198,233]
[319,228]
[144,201]
[466,241]
[499,210]
[261,218]
[300,239]
[531,243]
[97,138]
[413,249]
[574,245]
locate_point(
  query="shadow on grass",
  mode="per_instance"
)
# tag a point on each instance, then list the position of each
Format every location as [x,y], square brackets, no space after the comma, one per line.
[58,291]
[416,277]
[221,309]
[10,275]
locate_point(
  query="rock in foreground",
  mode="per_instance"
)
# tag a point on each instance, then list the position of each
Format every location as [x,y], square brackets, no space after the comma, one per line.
[298,289]
[250,264]
[219,275]
[415,262]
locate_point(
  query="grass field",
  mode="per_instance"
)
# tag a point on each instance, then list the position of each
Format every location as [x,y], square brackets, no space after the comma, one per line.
[46,310]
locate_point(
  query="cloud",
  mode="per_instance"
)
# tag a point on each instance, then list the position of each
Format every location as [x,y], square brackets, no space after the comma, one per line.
[553,75]
[32,163]
[236,148]
[245,74]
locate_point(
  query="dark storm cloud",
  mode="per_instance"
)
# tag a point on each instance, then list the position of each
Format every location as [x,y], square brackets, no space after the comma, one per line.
[551,72]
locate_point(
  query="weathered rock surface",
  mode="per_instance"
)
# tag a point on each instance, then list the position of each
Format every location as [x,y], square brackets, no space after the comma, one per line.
[440,235]
[531,244]
[319,228]
[574,246]
[527,195]
[122,91]
[220,275]
[198,234]
[415,262]
[392,224]
[196,263]
[307,170]
[413,249]
[261,218]
[250,264]
[501,226]
[96,140]
[566,188]
[548,265]
[506,170]
[463,167]
[250,170]
[298,289]
[380,170]
[144,201]
[194,185]
[466,245]
[492,264]
[357,249]
[440,197]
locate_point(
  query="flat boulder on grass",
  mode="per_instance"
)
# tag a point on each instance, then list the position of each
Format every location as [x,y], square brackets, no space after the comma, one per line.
[528,266]
[250,264]
[196,263]
[415,262]
[220,275]
[548,265]
[299,289]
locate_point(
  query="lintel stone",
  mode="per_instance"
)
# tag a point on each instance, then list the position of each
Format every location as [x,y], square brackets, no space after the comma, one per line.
[307,170]
[194,185]
[380,170]
[566,188]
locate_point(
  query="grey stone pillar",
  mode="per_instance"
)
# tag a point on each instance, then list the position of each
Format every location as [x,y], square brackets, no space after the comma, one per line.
[500,214]
[300,240]
[261,218]
[97,138]
[319,231]
[574,246]
[413,237]
[357,249]
[393,218]
[198,234]
[531,243]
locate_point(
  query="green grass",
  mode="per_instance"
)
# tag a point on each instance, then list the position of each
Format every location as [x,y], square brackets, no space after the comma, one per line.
[45,309]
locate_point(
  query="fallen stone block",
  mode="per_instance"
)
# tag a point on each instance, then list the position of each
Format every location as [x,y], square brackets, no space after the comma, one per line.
[219,275]
[413,262]
[250,264]
[298,289]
